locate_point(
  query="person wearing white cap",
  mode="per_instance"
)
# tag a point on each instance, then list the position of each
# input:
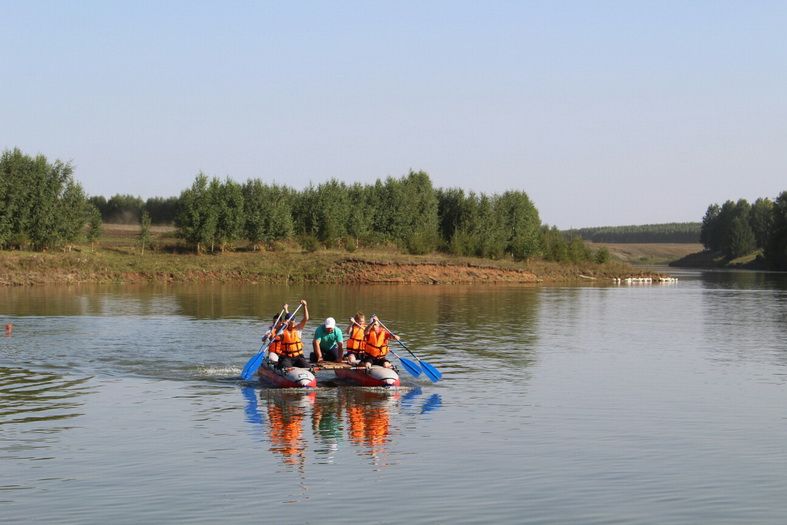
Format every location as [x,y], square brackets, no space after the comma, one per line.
[328,342]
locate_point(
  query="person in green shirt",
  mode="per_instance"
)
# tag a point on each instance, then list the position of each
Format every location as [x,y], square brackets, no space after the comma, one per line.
[328,342]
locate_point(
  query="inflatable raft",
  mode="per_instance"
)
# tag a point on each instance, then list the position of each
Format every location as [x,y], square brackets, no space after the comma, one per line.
[292,377]
[362,376]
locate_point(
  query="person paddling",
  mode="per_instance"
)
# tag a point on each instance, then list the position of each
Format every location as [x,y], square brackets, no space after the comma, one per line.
[376,339]
[290,345]
[328,342]
[271,336]
[356,338]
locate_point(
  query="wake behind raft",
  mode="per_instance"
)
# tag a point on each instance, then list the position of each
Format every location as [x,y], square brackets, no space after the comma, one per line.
[294,377]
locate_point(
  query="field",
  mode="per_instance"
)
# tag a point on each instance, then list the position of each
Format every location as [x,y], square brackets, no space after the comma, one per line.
[117,258]
[649,253]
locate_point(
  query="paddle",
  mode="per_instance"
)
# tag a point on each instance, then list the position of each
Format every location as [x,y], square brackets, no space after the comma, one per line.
[408,365]
[254,363]
[431,372]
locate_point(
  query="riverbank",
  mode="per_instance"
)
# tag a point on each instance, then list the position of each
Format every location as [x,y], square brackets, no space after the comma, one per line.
[649,253]
[117,258]
[322,266]
[705,259]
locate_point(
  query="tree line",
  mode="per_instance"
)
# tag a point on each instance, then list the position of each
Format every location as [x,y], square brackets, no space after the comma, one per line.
[128,209]
[673,232]
[41,205]
[214,215]
[735,229]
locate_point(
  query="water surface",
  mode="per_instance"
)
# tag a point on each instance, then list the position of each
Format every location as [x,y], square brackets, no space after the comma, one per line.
[639,404]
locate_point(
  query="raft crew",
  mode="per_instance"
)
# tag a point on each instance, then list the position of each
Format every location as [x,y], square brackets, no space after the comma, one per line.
[356,339]
[289,344]
[376,338]
[328,342]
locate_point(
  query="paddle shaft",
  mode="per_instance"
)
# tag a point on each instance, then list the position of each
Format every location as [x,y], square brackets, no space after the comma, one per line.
[398,340]
[408,365]
[254,363]
[431,372]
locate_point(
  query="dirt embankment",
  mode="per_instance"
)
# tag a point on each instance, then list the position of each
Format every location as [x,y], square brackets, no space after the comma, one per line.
[359,271]
[114,266]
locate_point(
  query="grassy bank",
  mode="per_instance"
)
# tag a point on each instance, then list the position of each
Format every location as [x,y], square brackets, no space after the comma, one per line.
[117,258]
[649,253]
[714,260]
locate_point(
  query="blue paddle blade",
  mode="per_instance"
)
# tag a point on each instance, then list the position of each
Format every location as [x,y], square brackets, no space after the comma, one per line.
[253,364]
[431,372]
[410,366]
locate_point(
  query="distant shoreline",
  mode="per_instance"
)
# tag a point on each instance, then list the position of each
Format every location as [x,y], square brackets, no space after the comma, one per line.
[325,266]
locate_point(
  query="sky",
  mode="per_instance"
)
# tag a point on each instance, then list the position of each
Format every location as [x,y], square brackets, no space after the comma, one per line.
[605,113]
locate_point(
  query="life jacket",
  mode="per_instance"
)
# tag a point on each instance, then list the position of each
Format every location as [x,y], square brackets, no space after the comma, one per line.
[377,343]
[275,344]
[290,344]
[356,341]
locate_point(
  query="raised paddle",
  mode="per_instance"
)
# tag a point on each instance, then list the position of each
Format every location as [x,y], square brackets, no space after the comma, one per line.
[408,365]
[254,363]
[431,372]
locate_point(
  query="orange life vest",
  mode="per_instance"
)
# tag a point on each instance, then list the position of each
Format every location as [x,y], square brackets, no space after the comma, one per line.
[275,346]
[291,344]
[377,343]
[356,342]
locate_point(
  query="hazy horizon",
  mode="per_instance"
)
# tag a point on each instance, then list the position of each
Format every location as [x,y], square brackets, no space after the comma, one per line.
[605,113]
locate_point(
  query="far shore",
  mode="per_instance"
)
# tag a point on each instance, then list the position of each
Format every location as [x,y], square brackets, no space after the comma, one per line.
[117,258]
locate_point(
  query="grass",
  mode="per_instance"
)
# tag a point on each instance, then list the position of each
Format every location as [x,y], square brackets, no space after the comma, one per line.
[649,253]
[117,258]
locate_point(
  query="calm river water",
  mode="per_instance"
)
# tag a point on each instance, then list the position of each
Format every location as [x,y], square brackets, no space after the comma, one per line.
[639,404]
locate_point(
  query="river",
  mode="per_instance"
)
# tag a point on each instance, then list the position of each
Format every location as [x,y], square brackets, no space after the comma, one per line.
[595,404]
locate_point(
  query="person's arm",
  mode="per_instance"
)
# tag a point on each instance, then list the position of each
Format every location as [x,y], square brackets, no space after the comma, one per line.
[316,346]
[340,345]
[305,315]
[372,322]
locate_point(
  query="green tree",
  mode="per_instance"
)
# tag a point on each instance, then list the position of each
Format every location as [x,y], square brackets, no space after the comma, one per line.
[776,248]
[41,203]
[162,210]
[553,244]
[227,200]
[123,209]
[73,212]
[520,222]
[198,217]
[709,233]
[94,226]
[144,231]
[332,202]
[740,240]
[761,221]
[602,255]
[488,234]
[578,250]
[360,214]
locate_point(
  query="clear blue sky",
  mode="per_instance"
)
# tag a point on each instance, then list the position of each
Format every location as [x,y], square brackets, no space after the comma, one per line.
[604,112]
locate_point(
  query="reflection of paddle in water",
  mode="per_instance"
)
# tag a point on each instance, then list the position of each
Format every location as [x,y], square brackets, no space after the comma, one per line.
[432,403]
[251,409]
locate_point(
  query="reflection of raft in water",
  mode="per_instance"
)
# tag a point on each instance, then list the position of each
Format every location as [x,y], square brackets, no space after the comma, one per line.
[362,376]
